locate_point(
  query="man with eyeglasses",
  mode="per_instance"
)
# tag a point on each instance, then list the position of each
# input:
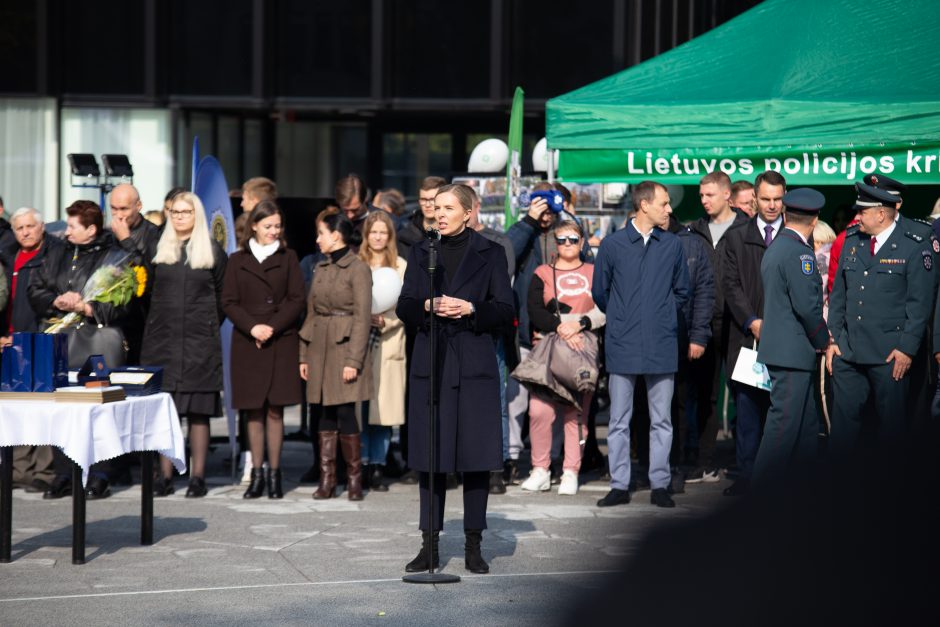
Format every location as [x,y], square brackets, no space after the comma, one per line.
[415,229]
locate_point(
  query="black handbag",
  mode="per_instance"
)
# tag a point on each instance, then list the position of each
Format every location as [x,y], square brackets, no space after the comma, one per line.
[89,338]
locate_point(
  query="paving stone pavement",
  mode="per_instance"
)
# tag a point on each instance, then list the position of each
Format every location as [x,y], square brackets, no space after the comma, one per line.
[225,560]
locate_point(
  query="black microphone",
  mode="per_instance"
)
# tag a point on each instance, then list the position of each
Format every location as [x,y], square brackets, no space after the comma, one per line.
[432,234]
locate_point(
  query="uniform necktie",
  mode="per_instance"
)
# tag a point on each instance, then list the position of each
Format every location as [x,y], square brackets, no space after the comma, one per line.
[768,235]
[873,246]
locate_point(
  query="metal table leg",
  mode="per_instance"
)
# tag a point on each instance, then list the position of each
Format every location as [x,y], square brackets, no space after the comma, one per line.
[78,515]
[146,497]
[6,503]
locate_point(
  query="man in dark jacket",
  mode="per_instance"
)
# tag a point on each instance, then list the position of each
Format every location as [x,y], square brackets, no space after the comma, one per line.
[715,196]
[742,252]
[139,238]
[641,282]
[413,230]
[7,240]
[32,465]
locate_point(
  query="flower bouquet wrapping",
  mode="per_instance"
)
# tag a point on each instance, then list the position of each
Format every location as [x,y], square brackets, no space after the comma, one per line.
[115,282]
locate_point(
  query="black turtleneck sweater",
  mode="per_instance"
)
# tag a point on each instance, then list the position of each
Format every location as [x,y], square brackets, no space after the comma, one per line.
[336,255]
[453,248]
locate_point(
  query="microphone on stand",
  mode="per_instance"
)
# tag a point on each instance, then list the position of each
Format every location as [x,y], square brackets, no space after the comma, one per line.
[432,234]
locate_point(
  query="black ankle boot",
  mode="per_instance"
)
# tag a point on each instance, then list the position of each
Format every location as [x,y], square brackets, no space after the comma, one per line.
[375,478]
[274,484]
[256,487]
[429,542]
[473,560]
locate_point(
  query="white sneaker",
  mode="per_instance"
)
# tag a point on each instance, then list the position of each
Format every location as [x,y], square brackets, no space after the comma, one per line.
[539,480]
[569,483]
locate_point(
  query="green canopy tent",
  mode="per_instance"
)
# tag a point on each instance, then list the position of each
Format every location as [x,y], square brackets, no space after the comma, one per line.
[825,91]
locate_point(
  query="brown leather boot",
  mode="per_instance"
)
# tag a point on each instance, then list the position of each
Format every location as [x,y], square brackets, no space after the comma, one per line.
[352,452]
[327,487]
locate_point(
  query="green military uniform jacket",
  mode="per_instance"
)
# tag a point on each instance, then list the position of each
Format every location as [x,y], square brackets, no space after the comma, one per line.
[793,327]
[883,303]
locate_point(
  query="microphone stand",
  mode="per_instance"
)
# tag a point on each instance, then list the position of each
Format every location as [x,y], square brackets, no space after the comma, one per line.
[431,576]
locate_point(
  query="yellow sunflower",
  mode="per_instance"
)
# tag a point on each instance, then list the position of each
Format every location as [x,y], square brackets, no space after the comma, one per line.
[140,273]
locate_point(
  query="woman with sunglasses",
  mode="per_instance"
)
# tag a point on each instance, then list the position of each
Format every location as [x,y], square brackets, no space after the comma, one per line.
[560,302]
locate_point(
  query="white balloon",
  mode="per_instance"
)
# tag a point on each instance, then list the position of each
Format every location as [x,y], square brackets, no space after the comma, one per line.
[490,155]
[386,288]
[540,157]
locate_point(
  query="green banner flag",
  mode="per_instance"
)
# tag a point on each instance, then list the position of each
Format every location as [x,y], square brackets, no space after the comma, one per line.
[514,166]
[809,165]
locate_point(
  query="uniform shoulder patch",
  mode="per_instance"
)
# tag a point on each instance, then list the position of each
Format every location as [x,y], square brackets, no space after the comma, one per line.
[928,260]
[914,236]
[935,245]
[852,230]
[922,221]
[807,264]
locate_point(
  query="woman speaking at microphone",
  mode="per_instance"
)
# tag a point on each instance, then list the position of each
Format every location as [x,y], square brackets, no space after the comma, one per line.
[472,301]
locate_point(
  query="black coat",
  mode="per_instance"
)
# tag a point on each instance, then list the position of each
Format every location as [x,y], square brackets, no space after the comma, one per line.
[182,329]
[742,252]
[23,317]
[67,269]
[469,435]
[700,228]
[141,247]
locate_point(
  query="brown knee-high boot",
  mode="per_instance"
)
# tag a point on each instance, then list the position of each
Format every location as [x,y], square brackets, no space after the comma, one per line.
[327,488]
[352,452]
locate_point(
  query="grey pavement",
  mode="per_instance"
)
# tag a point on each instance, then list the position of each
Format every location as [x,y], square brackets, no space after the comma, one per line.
[225,560]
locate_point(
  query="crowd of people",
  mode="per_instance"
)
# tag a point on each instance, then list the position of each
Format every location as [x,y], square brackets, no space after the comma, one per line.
[536,331]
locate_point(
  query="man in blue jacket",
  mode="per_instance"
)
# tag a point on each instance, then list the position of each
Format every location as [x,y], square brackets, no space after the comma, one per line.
[641,282]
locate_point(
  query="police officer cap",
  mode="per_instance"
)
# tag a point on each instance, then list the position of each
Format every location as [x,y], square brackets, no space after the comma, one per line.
[887,184]
[804,200]
[869,196]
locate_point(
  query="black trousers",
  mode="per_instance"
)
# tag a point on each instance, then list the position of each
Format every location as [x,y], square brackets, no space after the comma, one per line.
[476,491]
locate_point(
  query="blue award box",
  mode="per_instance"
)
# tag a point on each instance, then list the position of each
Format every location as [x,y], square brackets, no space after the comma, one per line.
[50,361]
[16,371]
[138,380]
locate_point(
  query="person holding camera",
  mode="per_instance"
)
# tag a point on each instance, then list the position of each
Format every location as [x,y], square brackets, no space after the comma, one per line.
[533,246]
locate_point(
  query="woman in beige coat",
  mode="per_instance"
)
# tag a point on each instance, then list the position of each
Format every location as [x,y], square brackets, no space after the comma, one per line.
[388,355]
[334,342]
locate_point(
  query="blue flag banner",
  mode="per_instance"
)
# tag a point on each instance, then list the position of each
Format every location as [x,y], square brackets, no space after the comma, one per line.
[209,185]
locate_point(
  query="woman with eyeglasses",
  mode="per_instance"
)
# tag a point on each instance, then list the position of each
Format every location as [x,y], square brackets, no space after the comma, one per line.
[560,302]
[263,296]
[182,330]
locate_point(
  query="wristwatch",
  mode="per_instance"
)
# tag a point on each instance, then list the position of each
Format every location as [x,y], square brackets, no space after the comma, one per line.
[473,309]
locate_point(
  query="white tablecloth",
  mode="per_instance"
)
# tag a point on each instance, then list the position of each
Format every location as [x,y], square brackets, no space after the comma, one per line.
[89,433]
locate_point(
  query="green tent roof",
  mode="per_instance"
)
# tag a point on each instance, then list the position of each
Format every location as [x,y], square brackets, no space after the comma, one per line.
[785,77]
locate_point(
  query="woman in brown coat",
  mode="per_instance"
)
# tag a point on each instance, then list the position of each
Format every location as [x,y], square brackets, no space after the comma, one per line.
[263,297]
[334,343]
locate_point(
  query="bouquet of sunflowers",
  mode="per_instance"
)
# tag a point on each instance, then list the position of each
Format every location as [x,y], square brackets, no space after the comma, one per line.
[115,283]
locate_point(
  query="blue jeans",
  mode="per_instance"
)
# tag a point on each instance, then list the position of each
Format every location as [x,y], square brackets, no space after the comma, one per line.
[659,389]
[503,382]
[375,441]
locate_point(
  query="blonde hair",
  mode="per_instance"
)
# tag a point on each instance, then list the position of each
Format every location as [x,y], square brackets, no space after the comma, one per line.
[390,254]
[199,247]
[823,233]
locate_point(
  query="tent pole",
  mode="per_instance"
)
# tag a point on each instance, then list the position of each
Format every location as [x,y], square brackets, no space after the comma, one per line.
[551,165]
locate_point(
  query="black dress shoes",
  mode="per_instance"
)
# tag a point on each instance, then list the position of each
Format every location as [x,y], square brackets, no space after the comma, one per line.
[197,488]
[97,489]
[37,485]
[497,486]
[163,486]
[615,497]
[660,498]
[61,487]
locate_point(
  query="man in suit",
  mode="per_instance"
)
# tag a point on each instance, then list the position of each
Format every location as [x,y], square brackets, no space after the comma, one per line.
[742,252]
[794,333]
[878,311]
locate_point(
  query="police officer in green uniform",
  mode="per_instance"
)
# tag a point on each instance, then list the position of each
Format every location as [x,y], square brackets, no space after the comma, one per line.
[878,312]
[792,334]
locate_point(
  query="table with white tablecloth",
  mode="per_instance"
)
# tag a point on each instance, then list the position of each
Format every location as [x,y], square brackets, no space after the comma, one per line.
[88,433]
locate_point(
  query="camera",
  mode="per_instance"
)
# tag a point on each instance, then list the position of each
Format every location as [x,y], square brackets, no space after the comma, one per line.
[556,202]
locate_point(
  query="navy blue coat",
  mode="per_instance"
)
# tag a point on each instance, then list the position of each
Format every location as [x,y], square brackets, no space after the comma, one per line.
[641,289]
[469,433]
[696,321]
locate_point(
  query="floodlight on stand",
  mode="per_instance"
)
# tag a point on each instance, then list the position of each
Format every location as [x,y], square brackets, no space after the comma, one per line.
[117,167]
[84,164]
